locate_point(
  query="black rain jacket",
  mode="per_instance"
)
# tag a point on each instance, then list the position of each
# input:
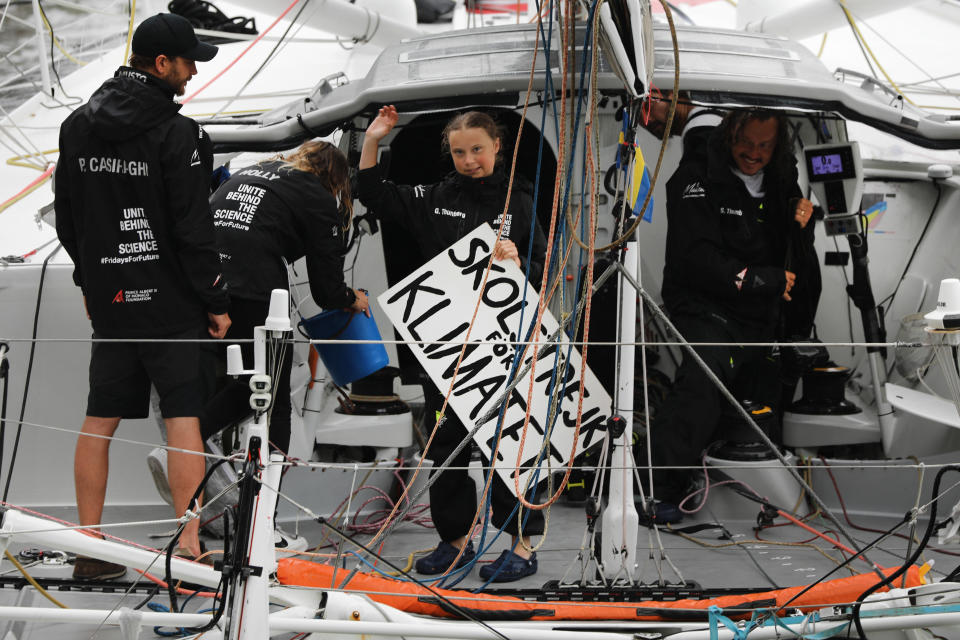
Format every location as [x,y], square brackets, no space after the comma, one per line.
[726,251]
[269,213]
[131,190]
[442,213]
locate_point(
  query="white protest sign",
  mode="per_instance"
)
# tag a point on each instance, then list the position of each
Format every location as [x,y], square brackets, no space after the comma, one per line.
[436,302]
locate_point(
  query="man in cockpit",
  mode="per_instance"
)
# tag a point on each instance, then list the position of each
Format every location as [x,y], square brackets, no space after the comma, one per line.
[692,123]
[737,225]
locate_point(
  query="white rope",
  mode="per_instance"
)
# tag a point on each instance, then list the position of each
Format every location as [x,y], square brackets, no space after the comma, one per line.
[152,445]
[349,466]
[592,343]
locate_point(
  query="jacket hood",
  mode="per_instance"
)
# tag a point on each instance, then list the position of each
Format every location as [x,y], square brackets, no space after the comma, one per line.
[130,103]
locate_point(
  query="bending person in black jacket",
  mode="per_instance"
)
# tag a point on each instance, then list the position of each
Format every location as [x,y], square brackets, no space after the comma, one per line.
[736,224]
[439,215]
[131,205]
[267,216]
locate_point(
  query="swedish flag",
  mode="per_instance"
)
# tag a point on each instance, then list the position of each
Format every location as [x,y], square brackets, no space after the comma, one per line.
[639,185]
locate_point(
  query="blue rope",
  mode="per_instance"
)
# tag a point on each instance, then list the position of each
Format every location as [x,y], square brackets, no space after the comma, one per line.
[552,268]
[159,630]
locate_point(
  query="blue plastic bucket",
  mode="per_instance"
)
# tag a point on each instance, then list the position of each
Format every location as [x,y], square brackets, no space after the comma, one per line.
[346,362]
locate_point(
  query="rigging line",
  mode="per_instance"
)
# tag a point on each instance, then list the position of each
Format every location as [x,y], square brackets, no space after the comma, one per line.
[888,580]
[480,422]
[936,79]
[92,527]
[132,586]
[592,31]
[30,360]
[348,538]
[823,44]
[27,140]
[649,430]
[66,525]
[132,8]
[53,65]
[587,285]
[666,132]
[269,58]
[495,407]
[24,160]
[466,338]
[36,585]
[856,37]
[868,464]
[758,543]
[552,417]
[57,41]
[746,416]
[346,517]
[554,338]
[12,149]
[242,53]
[916,247]
[3,17]
[340,466]
[567,46]
[17,197]
[518,357]
[36,87]
[152,445]
[930,77]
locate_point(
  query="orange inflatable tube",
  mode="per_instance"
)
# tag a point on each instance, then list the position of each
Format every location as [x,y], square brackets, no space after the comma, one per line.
[413,598]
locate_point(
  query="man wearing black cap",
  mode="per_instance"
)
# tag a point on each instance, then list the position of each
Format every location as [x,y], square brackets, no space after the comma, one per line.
[131,206]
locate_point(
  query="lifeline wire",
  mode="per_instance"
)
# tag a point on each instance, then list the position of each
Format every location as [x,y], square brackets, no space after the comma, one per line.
[746,416]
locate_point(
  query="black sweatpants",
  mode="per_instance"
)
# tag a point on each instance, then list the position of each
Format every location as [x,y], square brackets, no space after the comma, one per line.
[691,415]
[232,403]
[453,497]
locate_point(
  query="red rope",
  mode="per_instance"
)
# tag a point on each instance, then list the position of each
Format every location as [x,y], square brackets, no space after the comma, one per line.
[242,53]
[26,189]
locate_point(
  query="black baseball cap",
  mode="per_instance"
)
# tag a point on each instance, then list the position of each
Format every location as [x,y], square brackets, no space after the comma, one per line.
[170,35]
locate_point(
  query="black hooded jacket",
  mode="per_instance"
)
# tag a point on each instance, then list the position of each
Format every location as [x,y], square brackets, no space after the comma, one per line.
[442,213]
[131,190]
[726,251]
[269,213]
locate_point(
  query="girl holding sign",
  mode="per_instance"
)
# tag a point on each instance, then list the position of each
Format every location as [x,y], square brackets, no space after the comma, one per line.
[440,214]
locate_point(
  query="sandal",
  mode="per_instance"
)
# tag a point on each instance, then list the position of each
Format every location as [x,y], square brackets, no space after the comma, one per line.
[203,558]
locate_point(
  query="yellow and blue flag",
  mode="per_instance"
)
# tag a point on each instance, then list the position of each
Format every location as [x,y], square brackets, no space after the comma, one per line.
[639,186]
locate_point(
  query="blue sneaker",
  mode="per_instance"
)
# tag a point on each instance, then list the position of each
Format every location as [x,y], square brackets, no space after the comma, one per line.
[440,559]
[513,567]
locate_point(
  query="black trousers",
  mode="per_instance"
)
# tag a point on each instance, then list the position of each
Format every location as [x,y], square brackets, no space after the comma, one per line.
[232,402]
[453,497]
[693,413]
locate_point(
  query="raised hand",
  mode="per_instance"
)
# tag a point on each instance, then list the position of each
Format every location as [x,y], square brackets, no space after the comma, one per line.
[384,122]
[382,125]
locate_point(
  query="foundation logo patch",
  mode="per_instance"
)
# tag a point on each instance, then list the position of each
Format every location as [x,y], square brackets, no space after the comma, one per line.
[134,295]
